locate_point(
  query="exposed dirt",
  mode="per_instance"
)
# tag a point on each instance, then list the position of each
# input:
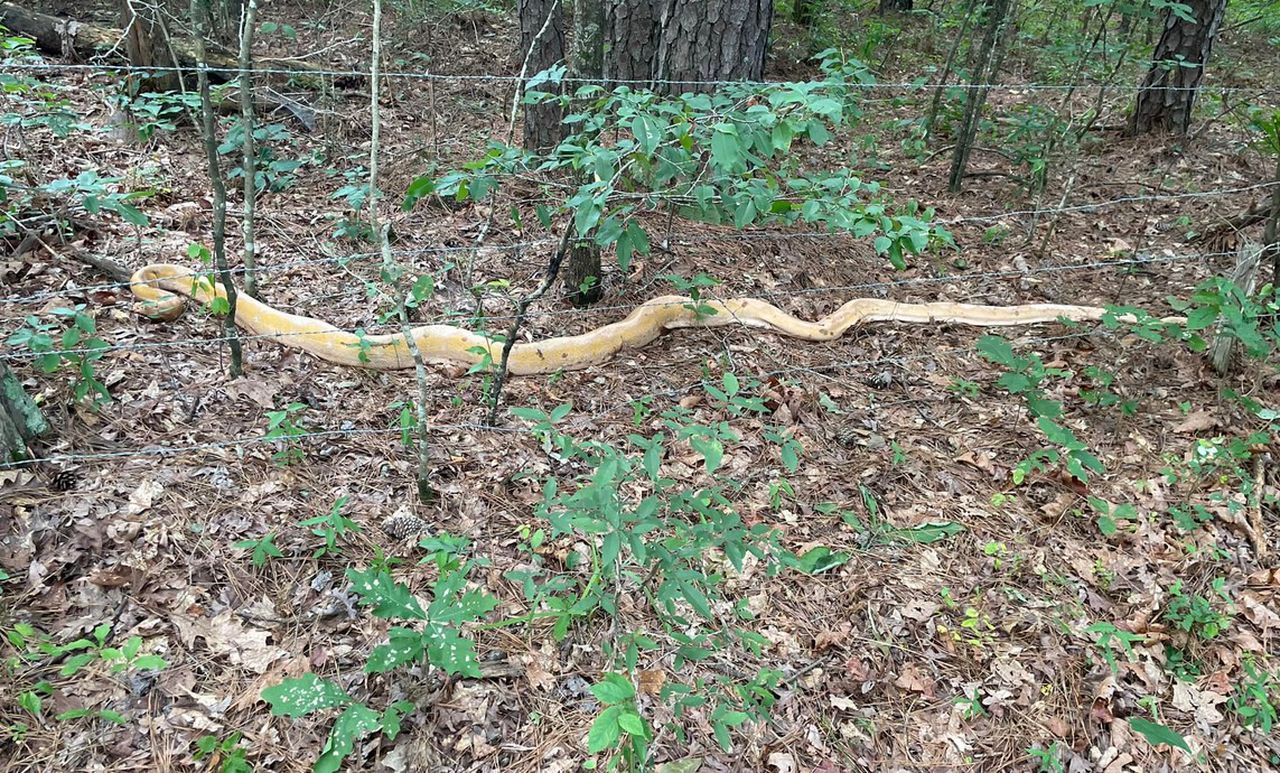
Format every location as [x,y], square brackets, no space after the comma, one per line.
[960,653]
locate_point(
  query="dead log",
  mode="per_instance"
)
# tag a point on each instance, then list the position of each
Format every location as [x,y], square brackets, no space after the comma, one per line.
[66,37]
[20,419]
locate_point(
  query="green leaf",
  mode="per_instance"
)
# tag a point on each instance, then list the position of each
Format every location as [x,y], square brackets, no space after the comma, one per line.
[926,533]
[605,731]
[404,645]
[997,350]
[453,654]
[132,215]
[357,721]
[1158,734]
[388,598]
[1056,433]
[696,598]
[725,148]
[821,559]
[633,724]
[613,689]
[150,663]
[303,695]
[711,449]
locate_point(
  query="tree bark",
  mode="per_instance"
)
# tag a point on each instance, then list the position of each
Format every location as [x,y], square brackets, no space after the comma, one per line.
[541,46]
[147,43]
[586,63]
[658,41]
[632,35]
[1168,93]
[712,40]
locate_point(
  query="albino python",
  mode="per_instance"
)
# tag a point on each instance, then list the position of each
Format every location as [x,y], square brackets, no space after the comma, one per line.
[160,287]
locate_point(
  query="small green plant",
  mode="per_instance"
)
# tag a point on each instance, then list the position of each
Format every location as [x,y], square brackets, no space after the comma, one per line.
[1026,376]
[965,387]
[286,428]
[332,526]
[225,755]
[1109,638]
[1110,516]
[1256,699]
[263,548]
[970,705]
[438,642]
[619,726]
[154,112]
[1195,614]
[271,171]
[87,658]
[694,287]
[1047,759]
[77,348]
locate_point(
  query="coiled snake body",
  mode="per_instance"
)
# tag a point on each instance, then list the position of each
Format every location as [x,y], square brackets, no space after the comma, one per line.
[160,289]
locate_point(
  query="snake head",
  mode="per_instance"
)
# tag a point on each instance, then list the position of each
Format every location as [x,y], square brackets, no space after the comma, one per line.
[155,302]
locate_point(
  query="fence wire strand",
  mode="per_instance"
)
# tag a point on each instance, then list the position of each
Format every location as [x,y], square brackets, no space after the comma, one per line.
[921,84]
[739,236]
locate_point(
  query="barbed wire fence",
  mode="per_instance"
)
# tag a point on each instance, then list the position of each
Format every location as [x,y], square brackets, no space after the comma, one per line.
[1080,263]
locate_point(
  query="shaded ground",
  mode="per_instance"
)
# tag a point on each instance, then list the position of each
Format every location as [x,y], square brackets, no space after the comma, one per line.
[957,653]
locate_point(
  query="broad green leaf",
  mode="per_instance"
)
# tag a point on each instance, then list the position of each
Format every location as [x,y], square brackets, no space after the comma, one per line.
[632,723]
[820,559]
[404,646]
[1158,734]
[355,723]
[926,533]
[605,731]
[997,350]
[613,689]
[711,449]
[299,696]
[389,599]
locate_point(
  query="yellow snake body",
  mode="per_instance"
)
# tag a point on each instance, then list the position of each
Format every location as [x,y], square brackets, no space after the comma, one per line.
[161,287]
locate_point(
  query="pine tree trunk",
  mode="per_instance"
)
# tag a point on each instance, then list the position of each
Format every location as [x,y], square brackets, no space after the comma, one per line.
[657,41]
[631,28]
[586,63]
[541,46]
[1168,93]
[712,40]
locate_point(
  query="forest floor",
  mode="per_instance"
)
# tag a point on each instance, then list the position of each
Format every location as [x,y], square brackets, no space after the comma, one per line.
[954,630]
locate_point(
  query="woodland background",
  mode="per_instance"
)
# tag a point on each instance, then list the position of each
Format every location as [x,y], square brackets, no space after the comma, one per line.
[920,547]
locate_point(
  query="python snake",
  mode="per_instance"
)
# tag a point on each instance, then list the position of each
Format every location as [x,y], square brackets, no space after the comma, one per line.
[161,288]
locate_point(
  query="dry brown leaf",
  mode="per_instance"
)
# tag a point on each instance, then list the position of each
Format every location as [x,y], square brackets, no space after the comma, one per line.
[913,679]
[143,497]
[1197,421]
[226,635]
[651,680]
[782,762]
[1200,703]
[919,610]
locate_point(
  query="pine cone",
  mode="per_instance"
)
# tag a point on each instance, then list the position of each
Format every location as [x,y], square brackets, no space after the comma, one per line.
[403,525]
[63,480]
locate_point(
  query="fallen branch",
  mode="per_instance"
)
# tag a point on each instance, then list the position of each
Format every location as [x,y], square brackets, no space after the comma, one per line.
[62,37]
